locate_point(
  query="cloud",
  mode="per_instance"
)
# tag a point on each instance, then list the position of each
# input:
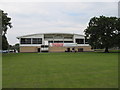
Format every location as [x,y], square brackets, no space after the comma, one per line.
[69,17]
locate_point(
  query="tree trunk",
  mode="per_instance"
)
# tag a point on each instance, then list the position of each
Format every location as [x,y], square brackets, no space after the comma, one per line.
[4,43]
[106,50]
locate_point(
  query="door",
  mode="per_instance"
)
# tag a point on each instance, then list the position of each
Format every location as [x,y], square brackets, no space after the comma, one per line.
[38,49]
[68,49]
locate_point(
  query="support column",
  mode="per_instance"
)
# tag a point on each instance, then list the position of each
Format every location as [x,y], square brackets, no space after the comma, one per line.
[63,38]
[84,41]
[74,39]
[43,38]
[20,41]
[31,40]
[53,39]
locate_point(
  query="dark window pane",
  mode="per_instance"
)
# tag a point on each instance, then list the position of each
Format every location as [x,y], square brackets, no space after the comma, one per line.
[25,41]
[37,41]
[44,46]
[22,41]
[80,41]
[50,41]
[58,41]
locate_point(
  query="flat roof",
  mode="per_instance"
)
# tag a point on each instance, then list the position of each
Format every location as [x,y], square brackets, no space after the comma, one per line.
[47,33]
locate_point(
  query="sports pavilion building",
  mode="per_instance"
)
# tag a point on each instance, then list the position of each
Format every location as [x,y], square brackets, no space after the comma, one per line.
[54,42]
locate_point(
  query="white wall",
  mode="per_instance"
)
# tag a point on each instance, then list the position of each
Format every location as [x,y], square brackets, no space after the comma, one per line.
[33,36]
[78,37]
[75,36]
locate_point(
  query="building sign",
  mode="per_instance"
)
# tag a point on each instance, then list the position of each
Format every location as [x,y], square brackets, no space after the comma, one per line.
[63,44]
[57,44]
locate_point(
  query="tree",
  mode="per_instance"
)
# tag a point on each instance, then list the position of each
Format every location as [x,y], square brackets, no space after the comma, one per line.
[16,47]
[101,32]
[4,43]
[118,28]
[5,25]
[117,37]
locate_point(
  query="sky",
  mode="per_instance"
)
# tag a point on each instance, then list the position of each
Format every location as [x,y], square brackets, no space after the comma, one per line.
[51,17]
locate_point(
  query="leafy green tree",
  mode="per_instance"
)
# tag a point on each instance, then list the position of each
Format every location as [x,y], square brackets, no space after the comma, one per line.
[5,22]
[4,43]
[5,25]
[118,33]
[14,47]
[117,37]
[101,32]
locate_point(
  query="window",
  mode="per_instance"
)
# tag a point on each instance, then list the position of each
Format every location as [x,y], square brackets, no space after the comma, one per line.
[80,41]
[44,46]
[50,41]
[68,41]
[37,41]
[58,41]
[25,41]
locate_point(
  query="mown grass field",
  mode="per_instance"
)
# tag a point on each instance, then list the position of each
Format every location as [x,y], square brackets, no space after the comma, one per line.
[60,70]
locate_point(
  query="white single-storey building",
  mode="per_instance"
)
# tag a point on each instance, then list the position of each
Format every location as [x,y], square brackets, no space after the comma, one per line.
[53,42]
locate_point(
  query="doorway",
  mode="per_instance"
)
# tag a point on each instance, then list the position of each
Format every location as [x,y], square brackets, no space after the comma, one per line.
[38,49]
[68,49]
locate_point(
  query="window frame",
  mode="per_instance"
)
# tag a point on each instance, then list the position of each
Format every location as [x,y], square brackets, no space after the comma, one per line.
[25,41]
[36,40]
[81,41]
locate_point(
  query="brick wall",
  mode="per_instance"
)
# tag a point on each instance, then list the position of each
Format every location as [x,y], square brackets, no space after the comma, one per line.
[53,49]
[29,49]
[63,49]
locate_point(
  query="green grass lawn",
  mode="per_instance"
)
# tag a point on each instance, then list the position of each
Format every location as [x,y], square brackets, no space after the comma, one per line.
[60,70]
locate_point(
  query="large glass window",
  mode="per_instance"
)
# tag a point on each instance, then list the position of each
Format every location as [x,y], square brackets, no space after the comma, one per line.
[58,41]
[80,41]
[44,46]
[25,41]
[50,41]
[68,41]
[37,41]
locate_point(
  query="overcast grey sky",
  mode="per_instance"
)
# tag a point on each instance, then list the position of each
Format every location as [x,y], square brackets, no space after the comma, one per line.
[45,17]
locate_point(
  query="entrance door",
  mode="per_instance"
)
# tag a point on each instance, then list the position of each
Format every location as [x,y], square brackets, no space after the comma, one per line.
[38,49]
[68,49]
